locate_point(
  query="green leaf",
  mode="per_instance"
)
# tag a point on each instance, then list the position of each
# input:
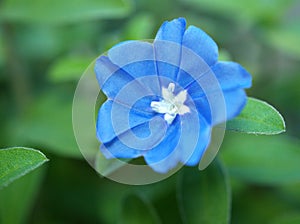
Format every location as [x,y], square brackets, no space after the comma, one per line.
[62,12]
[204,196]
[262,159]
[69,69]
[136,210]
[17,200]
[18,161]
[258,117]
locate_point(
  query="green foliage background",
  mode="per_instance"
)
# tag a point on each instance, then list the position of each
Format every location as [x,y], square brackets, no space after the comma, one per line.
[46,45]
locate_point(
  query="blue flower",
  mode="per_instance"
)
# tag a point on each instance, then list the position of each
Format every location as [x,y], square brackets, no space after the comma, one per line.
[163,98]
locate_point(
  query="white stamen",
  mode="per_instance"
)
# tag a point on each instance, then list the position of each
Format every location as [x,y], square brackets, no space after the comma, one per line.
[171,105]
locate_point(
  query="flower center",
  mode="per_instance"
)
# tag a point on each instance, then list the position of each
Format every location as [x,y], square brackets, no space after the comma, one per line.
[171,105]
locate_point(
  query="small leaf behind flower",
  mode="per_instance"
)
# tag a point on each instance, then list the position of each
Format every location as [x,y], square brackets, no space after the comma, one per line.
[18,161]
[204,196]
[258,117]
[137,210]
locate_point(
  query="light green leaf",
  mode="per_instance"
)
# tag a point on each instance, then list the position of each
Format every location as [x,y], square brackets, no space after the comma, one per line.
[136,210]
[262,159]
[17,200]
[62,12]
[18,161]
[69,69]
[204,196]
[258,117]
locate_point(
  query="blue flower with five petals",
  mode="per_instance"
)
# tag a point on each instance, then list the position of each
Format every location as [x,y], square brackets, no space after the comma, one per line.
[163,98]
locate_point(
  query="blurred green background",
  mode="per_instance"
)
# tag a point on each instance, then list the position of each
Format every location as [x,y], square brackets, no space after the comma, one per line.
[46,45]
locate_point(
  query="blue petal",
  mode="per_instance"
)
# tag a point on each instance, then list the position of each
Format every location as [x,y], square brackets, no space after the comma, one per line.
[198,41]
[125,62]
[145,73]
[203,141]
[231,75]
[172,31]
[137,59]
[131,51]
[167,46]
[235,100]
[222,76]
[112,120]
[116,149]
[163,157]
[192,68]
[185,142]
[206,83]
[121,86]
[136,141]
[203,107]
[110,77]
[190,126]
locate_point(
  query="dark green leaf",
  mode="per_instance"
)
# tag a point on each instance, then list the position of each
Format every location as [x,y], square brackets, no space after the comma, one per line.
[258,117]
[262,159]
[136,210]
[204,196]
[18,161]
[61,12]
